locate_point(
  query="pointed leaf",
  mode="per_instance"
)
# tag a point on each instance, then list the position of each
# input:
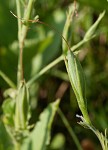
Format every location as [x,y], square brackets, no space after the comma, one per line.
[40,136]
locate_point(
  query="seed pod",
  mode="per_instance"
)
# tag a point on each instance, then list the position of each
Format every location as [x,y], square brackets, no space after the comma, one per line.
[76,75]
[22,107]
[77,80]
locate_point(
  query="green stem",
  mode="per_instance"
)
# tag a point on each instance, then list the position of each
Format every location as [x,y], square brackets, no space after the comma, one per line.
[19,16]
[70,130]
[17,146]
[59,74]
[26,18]
[85,114]
[22,32]
[20,68]
[7,80]
[49,66]
[75,47]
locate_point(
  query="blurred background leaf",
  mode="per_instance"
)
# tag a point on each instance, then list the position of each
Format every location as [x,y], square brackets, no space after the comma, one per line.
[5,139]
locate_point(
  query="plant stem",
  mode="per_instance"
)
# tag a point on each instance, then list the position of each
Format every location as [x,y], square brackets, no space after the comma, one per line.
[8,81]
[59,74]
[17,146]
[22,32]
[19,16]
[26,18]
[49,66]
[20,68]
[77,46]
[70,130]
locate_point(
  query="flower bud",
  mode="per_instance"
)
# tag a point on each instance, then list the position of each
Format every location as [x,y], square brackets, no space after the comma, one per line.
[22,107]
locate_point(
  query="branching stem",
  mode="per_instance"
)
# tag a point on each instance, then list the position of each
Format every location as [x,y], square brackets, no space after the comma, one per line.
[22,32]
[45,69]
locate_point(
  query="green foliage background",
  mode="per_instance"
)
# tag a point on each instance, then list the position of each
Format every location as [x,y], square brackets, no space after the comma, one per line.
[42,46]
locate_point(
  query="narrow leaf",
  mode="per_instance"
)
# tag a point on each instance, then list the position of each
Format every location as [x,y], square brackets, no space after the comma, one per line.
[40,136]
